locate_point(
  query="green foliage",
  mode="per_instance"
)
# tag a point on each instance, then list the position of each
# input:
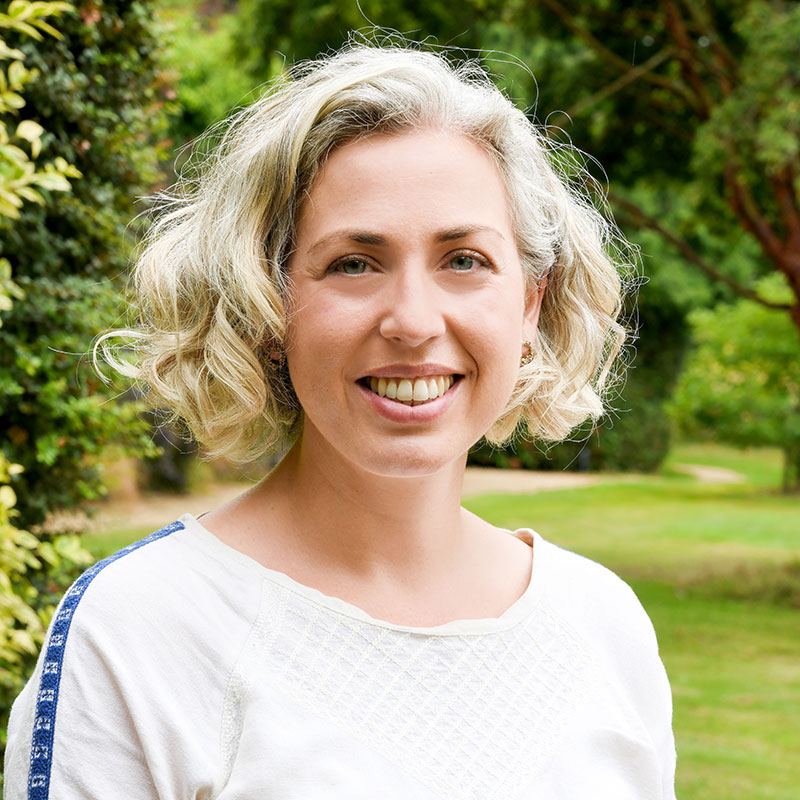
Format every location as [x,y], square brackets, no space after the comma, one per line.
[98,98]
[21,629]
[760,117]
[33,574]
[31,571]
[202,65]
[271,32]
[693,104]
[19,172]
[742,381]
[89,96]
[55,411]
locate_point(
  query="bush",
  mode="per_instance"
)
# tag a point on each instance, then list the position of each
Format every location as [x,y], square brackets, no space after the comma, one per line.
[97,97]
[33,573]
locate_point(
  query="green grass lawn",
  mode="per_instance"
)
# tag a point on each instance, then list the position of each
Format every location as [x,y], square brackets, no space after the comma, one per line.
[718,569]
[734,667]
[103,543]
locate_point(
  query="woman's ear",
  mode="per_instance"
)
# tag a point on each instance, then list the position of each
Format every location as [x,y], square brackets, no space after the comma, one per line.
[533,307]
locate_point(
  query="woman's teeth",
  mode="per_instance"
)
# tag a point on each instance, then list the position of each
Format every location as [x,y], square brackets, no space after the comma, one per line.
[411,391]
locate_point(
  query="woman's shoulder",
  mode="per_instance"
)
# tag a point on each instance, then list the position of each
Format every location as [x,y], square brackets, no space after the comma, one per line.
[592,597]
[171,578]
[134,642]
[605,612]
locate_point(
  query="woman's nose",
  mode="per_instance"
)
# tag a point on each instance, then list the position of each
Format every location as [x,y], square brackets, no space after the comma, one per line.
[412,308]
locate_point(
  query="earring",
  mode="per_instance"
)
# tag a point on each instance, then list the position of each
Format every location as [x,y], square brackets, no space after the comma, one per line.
[527,357]
[275,360]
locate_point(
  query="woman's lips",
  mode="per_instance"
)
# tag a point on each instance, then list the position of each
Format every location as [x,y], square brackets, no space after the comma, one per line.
[397,411]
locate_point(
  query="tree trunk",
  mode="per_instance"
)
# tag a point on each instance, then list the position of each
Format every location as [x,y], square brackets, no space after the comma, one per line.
[791,468]
[794,311]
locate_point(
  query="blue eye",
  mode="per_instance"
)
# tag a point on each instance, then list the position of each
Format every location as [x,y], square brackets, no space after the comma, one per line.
[350,266]
[462,263]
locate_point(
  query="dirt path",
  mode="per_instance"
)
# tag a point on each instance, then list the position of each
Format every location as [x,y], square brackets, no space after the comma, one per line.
[706,474]
[485,480]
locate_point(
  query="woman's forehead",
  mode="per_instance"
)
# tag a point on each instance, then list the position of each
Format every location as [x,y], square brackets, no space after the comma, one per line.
[436,180]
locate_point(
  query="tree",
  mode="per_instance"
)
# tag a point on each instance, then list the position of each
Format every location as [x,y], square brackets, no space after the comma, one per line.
[206,77]
[272,33]
[742,380]
[688,104]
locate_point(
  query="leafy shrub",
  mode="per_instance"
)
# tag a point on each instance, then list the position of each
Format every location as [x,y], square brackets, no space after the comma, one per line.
[33,573]
[98,98]
[205,68]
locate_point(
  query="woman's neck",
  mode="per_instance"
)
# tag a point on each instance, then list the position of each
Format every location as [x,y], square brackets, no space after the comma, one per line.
[366,524]
[402,549]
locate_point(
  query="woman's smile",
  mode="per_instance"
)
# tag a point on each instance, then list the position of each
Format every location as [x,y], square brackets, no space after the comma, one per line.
[418,408]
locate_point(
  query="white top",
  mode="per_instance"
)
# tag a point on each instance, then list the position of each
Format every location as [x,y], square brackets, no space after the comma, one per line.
[180,668]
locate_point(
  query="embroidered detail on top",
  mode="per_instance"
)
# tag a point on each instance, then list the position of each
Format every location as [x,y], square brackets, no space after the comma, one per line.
[47,698]
[492,705]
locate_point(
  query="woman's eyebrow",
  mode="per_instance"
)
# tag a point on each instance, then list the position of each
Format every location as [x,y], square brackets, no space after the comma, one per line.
[376,239]
[360,237]
[465,230]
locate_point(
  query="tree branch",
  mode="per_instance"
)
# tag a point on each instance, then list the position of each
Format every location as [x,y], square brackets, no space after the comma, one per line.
[620,83]
[783,186]
[641,217]
[612,58]
[744,206]
[686,56]
[726,65]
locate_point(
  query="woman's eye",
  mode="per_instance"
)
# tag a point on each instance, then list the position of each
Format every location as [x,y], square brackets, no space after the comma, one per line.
[464,263]
[350,266]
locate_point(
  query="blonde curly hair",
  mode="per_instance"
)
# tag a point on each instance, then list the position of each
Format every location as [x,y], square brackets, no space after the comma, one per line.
[211,273]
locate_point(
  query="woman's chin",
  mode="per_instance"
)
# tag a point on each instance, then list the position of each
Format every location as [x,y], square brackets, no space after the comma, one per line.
[409,462]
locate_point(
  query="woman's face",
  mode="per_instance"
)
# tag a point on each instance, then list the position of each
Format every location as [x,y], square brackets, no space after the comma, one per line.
[406,281]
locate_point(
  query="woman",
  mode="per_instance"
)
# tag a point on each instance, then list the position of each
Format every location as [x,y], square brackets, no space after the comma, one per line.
[379,264]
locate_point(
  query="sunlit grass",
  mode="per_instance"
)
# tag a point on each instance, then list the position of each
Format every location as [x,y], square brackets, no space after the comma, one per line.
[735,673]
[103,543]
[656,526]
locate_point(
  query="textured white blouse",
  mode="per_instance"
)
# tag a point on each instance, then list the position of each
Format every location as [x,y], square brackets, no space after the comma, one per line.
[181,669]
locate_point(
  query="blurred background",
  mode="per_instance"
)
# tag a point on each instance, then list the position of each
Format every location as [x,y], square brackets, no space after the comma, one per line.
[690,489]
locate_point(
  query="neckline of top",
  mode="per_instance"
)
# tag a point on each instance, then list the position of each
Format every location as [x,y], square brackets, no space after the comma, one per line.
[517,611]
